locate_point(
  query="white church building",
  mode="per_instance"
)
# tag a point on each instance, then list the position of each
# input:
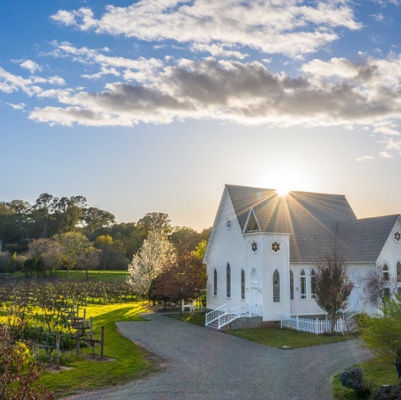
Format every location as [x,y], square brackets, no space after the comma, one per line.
[263,248]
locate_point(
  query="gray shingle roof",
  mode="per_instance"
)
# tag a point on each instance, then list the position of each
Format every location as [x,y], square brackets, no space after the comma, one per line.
[363,239]
[318,223]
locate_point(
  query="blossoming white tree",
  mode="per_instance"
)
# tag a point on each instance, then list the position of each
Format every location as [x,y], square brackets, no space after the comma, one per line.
[155,254]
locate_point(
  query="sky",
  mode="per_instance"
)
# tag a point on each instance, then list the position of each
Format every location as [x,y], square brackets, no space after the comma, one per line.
[155,105]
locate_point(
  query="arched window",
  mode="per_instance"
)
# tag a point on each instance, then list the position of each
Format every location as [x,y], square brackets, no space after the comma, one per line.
[276,286]
[302,284]
[242,285]
[215,282]
[398,272]
[385,273]
[312,283]
[228,281]
[291,285]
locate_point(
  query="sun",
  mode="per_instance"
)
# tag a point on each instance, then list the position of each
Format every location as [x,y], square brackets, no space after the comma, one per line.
[282,189]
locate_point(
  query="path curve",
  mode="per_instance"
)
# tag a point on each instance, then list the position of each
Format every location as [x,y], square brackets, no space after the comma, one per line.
[209,365]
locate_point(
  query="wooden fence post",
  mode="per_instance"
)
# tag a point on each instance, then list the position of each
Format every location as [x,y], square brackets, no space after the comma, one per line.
[102,344]
[58,349]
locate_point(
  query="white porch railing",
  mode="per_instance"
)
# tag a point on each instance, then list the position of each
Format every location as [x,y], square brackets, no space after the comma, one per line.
[215,314]
[316,326]
[223,315]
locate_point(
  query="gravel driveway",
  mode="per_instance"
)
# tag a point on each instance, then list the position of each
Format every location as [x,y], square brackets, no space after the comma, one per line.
[206,364]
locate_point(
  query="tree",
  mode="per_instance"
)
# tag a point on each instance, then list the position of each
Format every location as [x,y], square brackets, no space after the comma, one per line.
[111,255]
[379,285]
[183,280]
[76,246]
[382,334]
[156,222]
[49,252]
[69,212]
[331,287]
[155,254]
[96,219]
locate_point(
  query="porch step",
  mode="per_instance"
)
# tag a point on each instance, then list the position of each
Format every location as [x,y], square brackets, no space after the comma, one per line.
[213,325]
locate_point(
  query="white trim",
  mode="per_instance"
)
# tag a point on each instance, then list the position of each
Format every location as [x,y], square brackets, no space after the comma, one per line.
[251,212]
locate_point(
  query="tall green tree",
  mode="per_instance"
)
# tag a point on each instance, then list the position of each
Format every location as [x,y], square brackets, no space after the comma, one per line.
[96,219]
[76,247]
[331,287]
[156,222]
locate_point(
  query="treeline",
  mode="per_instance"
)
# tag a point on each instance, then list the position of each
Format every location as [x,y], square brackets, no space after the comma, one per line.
[51,224]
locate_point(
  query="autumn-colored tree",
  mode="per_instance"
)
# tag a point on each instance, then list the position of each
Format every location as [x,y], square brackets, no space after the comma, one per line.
[156,254]
[183,280]
[331,287]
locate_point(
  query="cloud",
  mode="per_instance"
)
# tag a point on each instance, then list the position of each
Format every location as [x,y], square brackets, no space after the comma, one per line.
[350,94]
[365,158]
[10,83]
[108,65]
[20,106]
[31,66]
[293,28]
[218,50]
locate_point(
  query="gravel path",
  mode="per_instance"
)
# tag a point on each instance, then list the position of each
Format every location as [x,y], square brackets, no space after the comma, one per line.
[205,364]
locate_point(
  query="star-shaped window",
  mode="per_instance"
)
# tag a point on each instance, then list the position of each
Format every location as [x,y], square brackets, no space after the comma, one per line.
[276,247]
[254,247]
[397,236]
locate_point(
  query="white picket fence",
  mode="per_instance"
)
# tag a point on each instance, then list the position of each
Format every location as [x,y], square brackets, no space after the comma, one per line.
[316,326]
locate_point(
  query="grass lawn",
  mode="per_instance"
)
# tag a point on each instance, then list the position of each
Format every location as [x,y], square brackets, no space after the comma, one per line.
[119,276]
[193,318]
[128,361]
[274,337]
[376,372]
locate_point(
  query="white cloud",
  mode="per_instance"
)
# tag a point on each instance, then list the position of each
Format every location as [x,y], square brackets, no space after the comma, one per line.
[19,107]
[108,65]
[365,158]
[218,50]
[31,66]
[293,27]
[10,83]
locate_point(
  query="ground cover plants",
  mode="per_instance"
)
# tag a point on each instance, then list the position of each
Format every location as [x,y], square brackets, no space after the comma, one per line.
[376,374]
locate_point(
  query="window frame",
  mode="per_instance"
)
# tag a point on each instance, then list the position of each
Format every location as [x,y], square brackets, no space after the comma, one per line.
[302,284]
[276,286]
[242,284]
[228,281]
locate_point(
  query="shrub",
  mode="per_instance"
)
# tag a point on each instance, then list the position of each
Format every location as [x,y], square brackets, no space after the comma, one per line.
[390,392]
[354,379]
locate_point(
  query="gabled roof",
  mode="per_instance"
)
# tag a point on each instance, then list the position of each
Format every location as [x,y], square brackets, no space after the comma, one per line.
[363,239]
[318,223]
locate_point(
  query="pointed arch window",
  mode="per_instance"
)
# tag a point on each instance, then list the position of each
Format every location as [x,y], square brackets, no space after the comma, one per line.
[312,283]
[302,284]
[215,282]
[399,272]
[385,273]
[291,285]
[242,285]
[276,286]
[228,280]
